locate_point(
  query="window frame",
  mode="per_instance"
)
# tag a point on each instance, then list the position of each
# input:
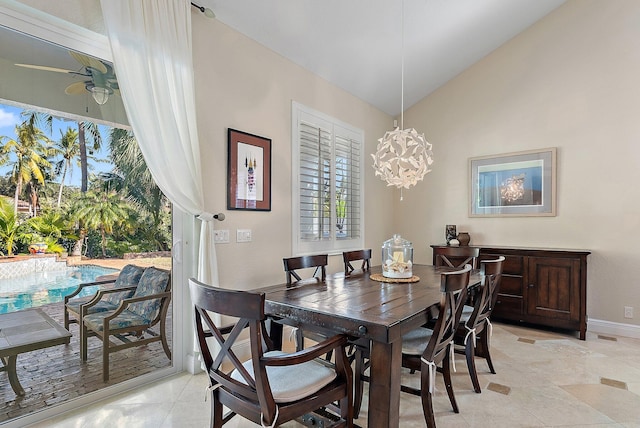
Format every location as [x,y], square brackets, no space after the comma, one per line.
[330,245]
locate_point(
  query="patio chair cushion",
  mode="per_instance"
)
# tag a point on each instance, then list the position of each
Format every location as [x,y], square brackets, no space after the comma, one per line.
[153,281]
[292,382]
[129,275]
[74,305]
[124,320]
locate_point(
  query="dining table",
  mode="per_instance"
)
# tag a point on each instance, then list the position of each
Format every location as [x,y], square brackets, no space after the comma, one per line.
[365,306]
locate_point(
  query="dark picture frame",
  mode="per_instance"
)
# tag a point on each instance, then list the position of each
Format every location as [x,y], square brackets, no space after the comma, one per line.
[248,171]
[513,184]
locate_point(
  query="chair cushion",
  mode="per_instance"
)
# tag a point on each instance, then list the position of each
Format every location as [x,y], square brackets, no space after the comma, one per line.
[294,382]
[125,319]
[415,342]
[129,275]
[153,281]
[74,305]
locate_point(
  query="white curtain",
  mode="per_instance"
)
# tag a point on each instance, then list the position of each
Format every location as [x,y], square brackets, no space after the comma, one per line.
[151,45]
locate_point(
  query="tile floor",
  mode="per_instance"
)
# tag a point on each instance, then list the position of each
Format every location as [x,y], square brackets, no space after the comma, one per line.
[544,379]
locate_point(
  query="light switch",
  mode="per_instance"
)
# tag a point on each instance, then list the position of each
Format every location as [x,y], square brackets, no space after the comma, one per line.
[243,235]
[221,236]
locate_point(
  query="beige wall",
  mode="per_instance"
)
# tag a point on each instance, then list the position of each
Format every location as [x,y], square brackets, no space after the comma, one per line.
[244,86]
[571,81]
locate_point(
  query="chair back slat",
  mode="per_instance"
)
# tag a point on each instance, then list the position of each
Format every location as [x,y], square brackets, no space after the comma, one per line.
[457,257]
[292,264]
[352,256]
[453,286]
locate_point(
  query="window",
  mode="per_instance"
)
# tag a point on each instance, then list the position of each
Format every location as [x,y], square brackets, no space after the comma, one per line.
[327,183]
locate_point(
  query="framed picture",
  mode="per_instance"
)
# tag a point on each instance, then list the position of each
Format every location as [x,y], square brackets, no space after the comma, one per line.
[513,184]
[248,172]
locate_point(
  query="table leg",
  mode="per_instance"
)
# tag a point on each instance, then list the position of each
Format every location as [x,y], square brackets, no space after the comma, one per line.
[275,332]
[384,385]
[10,367]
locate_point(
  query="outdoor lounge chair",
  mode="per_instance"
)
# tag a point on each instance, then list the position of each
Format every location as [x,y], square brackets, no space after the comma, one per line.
[134,317]
[111,293]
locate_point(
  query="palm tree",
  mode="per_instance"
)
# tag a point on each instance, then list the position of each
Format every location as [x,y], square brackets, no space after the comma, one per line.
[103,211]
[94,133]
[132,176]
[51,226]
[69,148]
[9,225]
[31,151]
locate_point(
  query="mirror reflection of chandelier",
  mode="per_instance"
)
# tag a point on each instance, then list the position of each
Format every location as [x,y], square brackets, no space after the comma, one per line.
[512,188]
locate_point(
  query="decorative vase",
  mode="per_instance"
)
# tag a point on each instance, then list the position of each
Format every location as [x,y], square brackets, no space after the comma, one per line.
[464,238]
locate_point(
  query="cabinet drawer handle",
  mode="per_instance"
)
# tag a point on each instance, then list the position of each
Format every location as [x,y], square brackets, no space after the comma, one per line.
[531,285]
[362,329]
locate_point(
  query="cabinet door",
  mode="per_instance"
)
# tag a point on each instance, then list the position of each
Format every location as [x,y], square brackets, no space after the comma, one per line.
[553,289]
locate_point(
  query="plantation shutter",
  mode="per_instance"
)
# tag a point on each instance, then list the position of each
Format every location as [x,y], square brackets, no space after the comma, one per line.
[327,183]
[315,182]
[347,185]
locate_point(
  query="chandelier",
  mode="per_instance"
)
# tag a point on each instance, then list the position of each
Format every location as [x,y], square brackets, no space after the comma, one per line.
[512,188]
[403,156]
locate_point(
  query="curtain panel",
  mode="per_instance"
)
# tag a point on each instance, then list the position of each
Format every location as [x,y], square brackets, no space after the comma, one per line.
[152,51]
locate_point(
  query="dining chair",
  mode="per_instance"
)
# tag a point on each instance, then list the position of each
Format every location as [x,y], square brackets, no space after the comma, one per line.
[353,256]
[270,387]
[429,350]
[359,349]
[474,329]
[293,264]
[456,257]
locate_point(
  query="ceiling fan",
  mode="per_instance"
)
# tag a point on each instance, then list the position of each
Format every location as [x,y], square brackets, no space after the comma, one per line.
[101,80]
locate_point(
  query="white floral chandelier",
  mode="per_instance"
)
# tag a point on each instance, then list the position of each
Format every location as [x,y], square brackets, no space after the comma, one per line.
[403,156]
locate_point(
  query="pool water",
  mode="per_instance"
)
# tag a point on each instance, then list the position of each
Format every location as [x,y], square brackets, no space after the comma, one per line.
[40,288]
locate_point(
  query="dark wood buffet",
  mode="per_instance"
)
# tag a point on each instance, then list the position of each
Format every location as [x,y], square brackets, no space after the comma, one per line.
[541,286]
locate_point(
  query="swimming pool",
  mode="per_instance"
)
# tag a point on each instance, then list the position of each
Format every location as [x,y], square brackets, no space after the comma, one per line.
[40,288]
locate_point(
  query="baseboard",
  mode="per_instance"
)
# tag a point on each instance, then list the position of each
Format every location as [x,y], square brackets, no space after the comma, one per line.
[617,329]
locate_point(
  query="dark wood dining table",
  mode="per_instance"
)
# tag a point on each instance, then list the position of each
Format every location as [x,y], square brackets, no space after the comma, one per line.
[362,307]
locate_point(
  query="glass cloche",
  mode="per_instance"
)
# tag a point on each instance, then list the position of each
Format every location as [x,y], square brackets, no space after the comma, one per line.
[397,258]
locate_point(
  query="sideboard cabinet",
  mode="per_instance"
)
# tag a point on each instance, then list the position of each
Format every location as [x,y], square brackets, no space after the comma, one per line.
[541,286]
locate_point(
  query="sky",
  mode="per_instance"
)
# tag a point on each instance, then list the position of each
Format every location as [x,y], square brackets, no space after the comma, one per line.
[10,117]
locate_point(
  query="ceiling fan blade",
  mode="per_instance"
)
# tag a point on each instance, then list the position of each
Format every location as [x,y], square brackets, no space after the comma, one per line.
[88,61]
[77,88]
[45,68]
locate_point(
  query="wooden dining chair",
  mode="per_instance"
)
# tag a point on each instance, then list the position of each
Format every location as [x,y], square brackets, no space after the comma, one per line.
[353,256]
[271,387]
[474,330]
[359,349]
[456,257]
[427,350]
[293,264]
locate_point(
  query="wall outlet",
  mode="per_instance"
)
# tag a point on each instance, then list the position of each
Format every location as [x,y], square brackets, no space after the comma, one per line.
[628,311]
[243,235]
[221,236]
